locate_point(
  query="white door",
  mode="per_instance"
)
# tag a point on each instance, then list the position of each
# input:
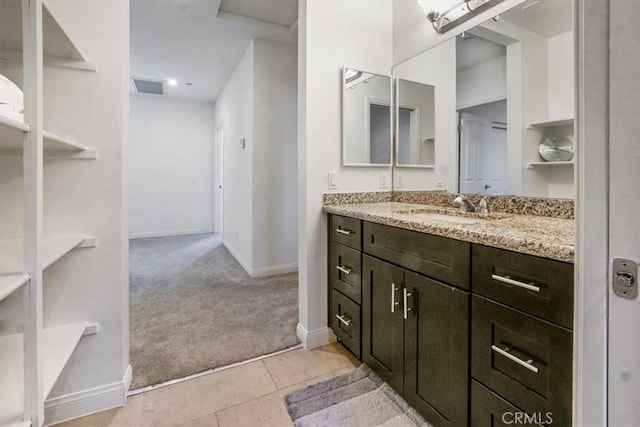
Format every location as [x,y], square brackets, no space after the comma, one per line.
[483,155]
[624,206]
[218,174]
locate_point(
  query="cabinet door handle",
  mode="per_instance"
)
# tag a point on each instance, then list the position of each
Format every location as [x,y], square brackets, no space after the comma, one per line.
[342,319]
[393,297]
[345,232]
[527,364]
[406,294]
[509,280]
[345,270]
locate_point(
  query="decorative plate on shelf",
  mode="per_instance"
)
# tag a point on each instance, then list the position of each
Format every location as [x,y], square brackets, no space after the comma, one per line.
[556,149]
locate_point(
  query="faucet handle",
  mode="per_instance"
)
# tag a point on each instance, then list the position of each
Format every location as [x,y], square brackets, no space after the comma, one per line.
[483,206]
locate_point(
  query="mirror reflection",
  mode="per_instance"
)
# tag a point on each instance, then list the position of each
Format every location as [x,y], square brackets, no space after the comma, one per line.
[366,101]
[415,124]
[513,89]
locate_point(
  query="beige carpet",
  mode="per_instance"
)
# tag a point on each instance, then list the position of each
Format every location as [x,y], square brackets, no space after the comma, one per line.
[193,308]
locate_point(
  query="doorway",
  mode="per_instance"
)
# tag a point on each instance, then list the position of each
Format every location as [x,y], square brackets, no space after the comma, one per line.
[482,136]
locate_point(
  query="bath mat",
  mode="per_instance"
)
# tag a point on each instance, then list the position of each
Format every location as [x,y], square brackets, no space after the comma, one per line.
[356,399]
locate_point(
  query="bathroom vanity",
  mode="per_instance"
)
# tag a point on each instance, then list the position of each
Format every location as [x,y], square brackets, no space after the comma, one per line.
[468,317]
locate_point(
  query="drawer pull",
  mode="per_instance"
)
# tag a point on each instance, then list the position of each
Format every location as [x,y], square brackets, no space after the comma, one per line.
[345,232]
[345,270]
[528,364]
[507,279]
[393,297]
[342,319]
[406,295]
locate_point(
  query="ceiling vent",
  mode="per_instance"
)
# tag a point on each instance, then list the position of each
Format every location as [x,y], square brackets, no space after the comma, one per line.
[150,87]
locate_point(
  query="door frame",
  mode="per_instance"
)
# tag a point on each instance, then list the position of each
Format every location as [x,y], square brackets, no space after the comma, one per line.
[218,178]
[592,213]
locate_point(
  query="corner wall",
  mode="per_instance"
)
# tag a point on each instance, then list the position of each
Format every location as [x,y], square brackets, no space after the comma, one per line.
[331,34]
[170,166]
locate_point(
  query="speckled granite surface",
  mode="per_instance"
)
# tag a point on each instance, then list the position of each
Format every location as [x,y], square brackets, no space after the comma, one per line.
[555,208]
[535,235]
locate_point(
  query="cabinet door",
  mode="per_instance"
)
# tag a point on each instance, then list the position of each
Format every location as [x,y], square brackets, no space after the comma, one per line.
[382,321]
[436,355]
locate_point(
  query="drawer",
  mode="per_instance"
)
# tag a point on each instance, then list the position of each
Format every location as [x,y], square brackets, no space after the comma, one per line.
[346,322]
[443,259]
[490,410]
[538,286]
[526,360]
[346,231]
[345,270]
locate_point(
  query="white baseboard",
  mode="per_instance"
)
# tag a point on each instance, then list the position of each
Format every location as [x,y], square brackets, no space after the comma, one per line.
[272,271]
[86,402]
[171,233]
[315,338]
[236,255]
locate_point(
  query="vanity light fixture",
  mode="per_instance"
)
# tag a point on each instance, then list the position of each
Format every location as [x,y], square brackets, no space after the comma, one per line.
[456,15]
[172,82]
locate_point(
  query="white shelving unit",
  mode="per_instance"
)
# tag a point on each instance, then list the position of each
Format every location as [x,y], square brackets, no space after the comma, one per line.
[31,361]
[550,124]
[57,343]
[532,165]
[12,134]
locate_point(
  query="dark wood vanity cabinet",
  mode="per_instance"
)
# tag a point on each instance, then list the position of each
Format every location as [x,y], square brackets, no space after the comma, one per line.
[467,334]
[415,329]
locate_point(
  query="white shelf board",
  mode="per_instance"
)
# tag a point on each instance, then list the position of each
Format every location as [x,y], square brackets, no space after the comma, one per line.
[548,124]
[548,164]
[58,345]
[56,42]
[53,249]
[10,283]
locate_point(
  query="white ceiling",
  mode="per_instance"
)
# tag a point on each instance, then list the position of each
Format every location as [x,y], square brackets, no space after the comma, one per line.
[548,18]
[472,50]
[201,41]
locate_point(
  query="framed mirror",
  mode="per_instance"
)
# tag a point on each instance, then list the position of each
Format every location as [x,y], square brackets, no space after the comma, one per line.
[503,86]
[366,118]
[415,124]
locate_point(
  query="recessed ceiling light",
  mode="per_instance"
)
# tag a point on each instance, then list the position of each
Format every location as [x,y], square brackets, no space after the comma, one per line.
[172,82]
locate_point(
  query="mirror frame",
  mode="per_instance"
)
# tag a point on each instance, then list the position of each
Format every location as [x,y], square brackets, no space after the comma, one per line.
[344,122]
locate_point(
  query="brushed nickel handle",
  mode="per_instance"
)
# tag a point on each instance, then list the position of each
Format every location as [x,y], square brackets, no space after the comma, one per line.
[345,232]
[345,270]
[406,308]
[527,364]
[393,297]
[343,320]
[509,280]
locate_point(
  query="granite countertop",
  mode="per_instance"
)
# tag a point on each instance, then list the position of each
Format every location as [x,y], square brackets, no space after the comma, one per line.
[535,235]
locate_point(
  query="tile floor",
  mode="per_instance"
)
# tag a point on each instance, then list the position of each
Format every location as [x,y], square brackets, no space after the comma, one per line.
[244,396]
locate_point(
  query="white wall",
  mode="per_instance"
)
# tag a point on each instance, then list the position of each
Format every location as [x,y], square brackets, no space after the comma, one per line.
[483,83]
[275,199]
[561,69]
[259,103]
[331,34]
[436,67]
[234,110]
[170,166]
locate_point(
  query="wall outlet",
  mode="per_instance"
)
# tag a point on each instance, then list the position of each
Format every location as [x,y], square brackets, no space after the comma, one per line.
[384,180]
[398,183]
[439,184]
[333,180]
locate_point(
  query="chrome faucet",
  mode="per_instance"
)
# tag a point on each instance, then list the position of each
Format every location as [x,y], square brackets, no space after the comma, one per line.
[464,204]
[467,206]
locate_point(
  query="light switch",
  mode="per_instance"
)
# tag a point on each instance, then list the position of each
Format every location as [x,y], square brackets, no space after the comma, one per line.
[333,180]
